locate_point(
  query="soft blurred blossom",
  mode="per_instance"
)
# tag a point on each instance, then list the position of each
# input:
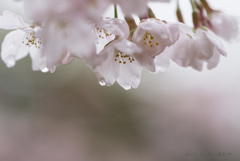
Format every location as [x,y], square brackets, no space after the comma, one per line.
[194,48]
[25,39]
[65,39]
[116,61]
[225,26]
[153,36]
[66,115]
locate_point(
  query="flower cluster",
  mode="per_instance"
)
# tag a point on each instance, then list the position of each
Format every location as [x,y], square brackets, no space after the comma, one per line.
[116,50]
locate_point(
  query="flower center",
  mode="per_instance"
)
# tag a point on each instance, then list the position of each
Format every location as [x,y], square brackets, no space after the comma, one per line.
[31,40]
[103,38]
[149,40]
[123,58]
[102,33]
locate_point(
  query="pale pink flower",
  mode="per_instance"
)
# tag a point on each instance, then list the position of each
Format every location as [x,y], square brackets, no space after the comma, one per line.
[196,47]
[66,38]
[161,63]
[108,29]
[224,25]
[22,40]
[153,36]
[116,61]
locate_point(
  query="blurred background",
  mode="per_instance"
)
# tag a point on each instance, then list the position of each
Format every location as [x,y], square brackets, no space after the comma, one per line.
[172,116]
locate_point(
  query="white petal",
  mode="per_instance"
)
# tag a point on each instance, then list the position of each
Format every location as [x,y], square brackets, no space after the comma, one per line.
[213,62]
[127,47]
[182,52]
[53,47]
[63,35]
[10,20]
[39,62]
[225,26]
[107,70]
[203,45]
[68,58]
[154,36]
[162,62]
[80,40]
[129,75]
[217,43]
[196,49]
[115,26]
[12,47]
[197,64]
[174,30]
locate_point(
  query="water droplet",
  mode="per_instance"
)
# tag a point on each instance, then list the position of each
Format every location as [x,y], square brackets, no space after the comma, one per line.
[45,70]
[102,82]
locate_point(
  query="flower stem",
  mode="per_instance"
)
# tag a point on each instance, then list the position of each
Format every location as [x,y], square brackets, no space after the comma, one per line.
[115,11]
[150,13]
[195,14]
[131,22]
[193,4]
[207,7]
[179,13]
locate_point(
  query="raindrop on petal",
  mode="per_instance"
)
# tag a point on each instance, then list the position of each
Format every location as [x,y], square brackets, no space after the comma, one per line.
[102,82]
[45,70]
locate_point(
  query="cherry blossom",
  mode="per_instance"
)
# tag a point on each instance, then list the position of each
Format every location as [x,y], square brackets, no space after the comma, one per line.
[116,61]
[196,47]
[107,29]
[67,38]
[153,36]
[224,25]
[116,50]
[22,40]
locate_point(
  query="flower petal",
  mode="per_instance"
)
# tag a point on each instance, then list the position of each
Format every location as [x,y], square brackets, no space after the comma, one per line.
[129,75]
[114,26]
[67,35]
[162,62]
[10,20]
[107,70]
[12,47]
[225,26]
[130,72]
[39,62]
[154,36]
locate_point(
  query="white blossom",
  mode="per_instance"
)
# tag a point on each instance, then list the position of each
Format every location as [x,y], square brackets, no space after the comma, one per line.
[67,38]
[22,40]
[153,36]
[196,47]
[224,25]
[116,61]
[107,29]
